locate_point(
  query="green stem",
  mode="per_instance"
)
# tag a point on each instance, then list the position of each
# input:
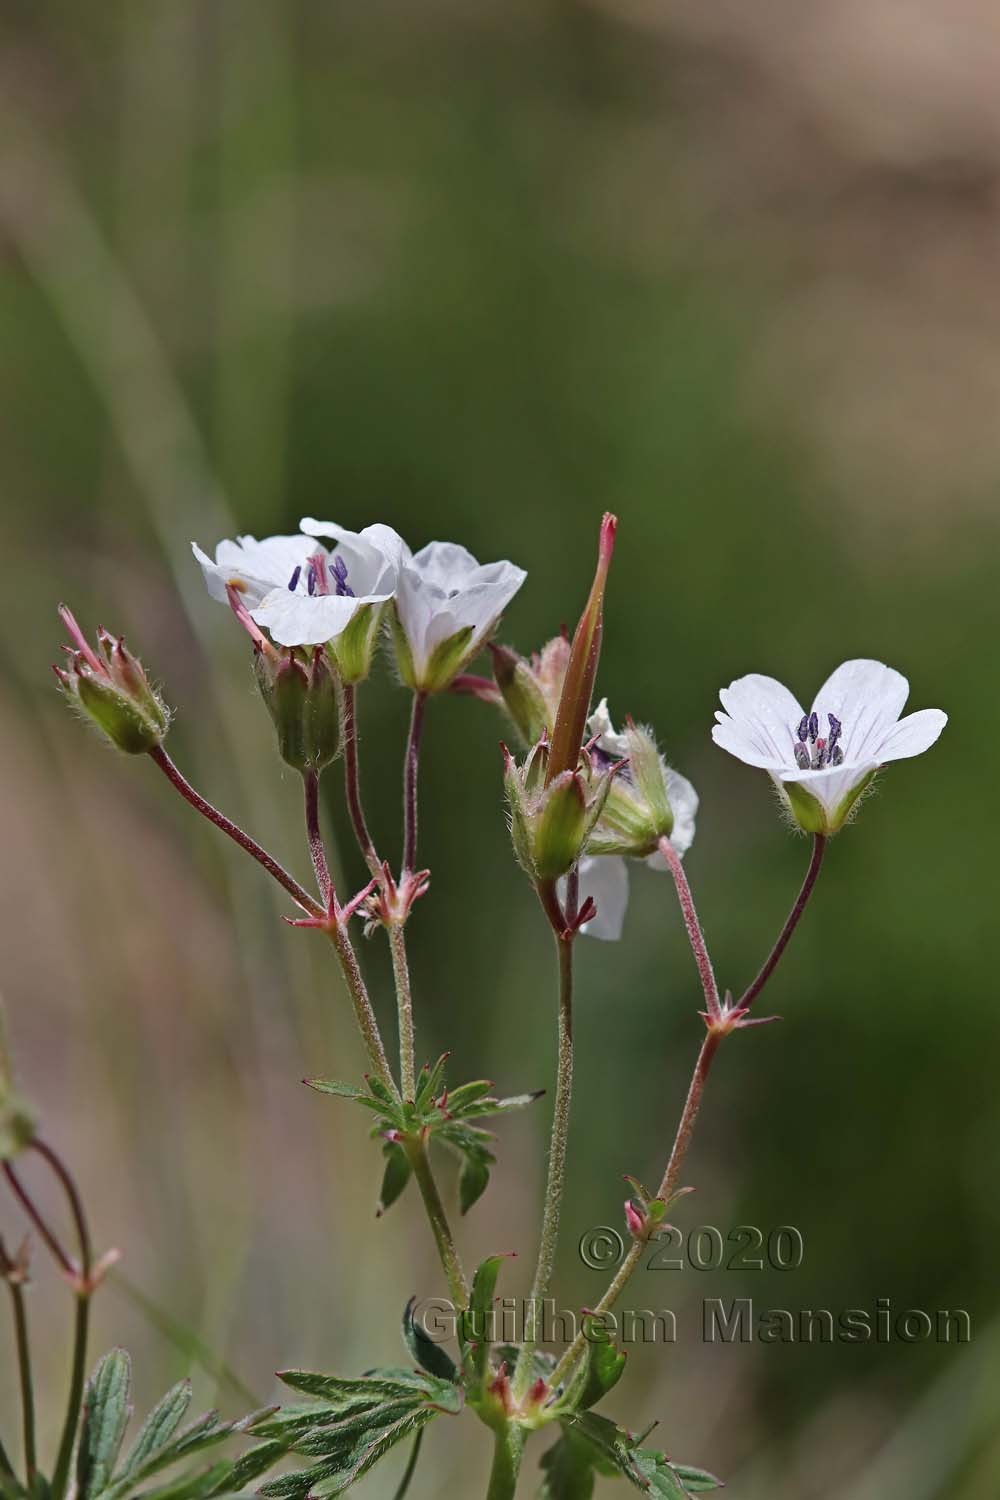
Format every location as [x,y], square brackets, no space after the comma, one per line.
[404,1005]
[314,835]
[557,1163]
[416,1151]
[14,1275]
[411,771]
[506,1464]
[84,1292]
[77,1377]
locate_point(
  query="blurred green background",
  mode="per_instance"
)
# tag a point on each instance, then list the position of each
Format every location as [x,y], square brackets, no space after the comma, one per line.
[482,272]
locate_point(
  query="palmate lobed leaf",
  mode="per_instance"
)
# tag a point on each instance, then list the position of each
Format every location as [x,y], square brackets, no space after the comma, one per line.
[646,1468]
[159,1427]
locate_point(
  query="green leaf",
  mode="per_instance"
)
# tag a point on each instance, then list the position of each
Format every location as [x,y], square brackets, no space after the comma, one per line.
[158,1427]
[467,1093]
[106,1411]
[473,1181]
[696,1480]
[369,1452]
[498,1106]
[570,1469]
[430,1083]
[474,1326]
[395,1177]
[334,1388]
[428,1355]
[605,1366]
[333,1086]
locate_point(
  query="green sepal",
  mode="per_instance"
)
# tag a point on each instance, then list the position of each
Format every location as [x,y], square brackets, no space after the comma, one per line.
[353,649]
[808,812]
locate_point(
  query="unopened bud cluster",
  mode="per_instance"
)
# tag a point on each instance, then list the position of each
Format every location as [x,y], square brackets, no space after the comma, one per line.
[110,688]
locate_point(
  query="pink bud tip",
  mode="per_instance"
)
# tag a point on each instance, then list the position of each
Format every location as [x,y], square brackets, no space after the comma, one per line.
[636,1223]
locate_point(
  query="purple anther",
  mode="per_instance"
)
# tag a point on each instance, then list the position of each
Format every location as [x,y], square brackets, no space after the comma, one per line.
[293,582]
[803,732]
[813,726]
[341,586]
[802,756]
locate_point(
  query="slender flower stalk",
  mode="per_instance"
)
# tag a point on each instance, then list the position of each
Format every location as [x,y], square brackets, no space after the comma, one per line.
[404,1005]
[508,1445]
[228,827]
[556,1181]
[791,922]
[718,1028]
[317,849]
[14,1276]
[83,1280]
[416,1151]
[696,937]
[411,772]
[363,1009]
[352,783]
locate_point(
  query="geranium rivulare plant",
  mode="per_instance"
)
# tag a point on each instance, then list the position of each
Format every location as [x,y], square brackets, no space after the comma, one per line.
[586,804]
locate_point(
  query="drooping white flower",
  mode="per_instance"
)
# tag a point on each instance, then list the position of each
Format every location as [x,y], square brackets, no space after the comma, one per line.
[648,800]
[447,607]
[304,594]
[821,760]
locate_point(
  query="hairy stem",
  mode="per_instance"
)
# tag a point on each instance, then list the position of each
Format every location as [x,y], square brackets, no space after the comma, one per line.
[352,782]
[695,935]
[404,1005]
[317,849]
[411,771]
[791,922]
[363,1009]
[13,1275]
[557,1162]
[228,827]
[507,1448]
[416,1151]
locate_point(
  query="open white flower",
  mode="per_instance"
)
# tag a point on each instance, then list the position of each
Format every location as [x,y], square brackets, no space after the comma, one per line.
[821,760]
[303,594]
[646,790]
[447,607]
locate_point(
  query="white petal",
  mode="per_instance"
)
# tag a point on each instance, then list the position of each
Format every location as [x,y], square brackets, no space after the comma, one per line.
[599,726]
[605,878]
[867,697]
[378,544]
[763,717]
[303,619]
[684,806]
[254,566]
[914,734]
[443,590]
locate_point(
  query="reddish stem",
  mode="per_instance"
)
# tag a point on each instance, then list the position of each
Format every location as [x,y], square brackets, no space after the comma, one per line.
[695,935]
[233,831]
[411,771]
[791,922]
[352,783]
[317,849]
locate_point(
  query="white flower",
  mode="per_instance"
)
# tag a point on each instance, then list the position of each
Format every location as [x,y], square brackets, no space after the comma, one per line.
[822,760]
[306,595]
[605,876]
[447,606]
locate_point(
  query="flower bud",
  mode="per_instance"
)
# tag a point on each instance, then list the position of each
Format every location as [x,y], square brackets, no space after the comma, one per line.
[581,669]
[531,689]
[552,821]
[302,691]
[109,687]
[647,797]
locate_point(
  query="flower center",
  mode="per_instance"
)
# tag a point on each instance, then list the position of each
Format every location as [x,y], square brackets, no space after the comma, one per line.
[813,751]
[318,577]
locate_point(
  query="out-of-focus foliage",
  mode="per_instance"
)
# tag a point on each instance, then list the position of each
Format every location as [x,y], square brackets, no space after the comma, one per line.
[482,272]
